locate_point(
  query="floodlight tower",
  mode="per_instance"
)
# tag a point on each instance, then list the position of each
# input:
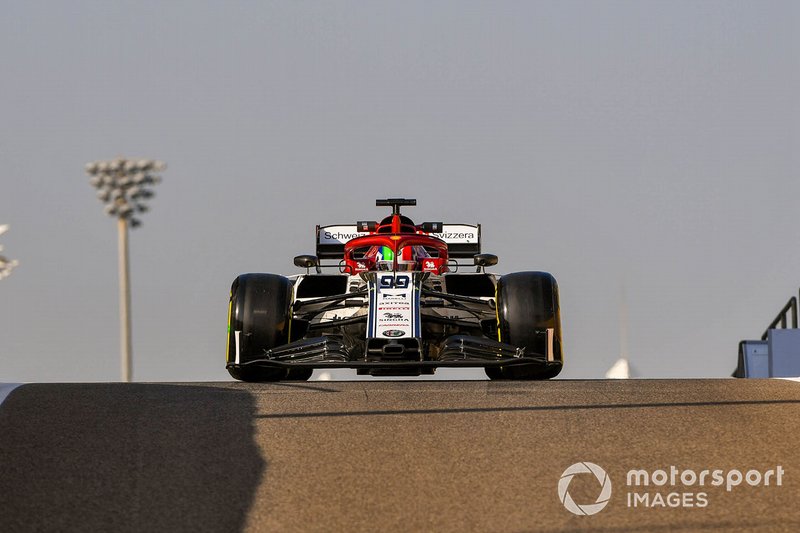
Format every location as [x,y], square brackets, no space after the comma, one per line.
[6,265]
[124,186]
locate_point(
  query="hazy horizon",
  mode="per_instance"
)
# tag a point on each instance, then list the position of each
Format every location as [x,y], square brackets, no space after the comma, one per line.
[645,147]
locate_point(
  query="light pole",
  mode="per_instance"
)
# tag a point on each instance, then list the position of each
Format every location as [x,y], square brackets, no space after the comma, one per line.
[6,265]
[124,185]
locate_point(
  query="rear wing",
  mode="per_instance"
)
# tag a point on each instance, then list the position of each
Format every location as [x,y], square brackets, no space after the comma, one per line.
[463,240]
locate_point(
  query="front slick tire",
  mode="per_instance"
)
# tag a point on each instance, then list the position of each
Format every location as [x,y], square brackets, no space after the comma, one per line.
[260,317]
[527,306]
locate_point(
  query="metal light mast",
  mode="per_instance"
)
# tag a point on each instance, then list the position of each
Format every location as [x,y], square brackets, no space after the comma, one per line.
[124,186]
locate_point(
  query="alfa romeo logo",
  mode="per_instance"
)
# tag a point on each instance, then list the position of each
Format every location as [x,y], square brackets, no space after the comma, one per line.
[589,508]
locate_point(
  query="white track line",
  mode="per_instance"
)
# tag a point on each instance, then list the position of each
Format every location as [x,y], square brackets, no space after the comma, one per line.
[6,388]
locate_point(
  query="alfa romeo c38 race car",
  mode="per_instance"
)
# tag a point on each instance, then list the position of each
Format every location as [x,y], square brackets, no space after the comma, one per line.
[393,298]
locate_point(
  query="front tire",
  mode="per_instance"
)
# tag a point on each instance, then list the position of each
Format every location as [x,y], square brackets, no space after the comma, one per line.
[527,307]
[259,320]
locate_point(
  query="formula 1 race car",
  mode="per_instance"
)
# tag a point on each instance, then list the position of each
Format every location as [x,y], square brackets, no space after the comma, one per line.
[391,298]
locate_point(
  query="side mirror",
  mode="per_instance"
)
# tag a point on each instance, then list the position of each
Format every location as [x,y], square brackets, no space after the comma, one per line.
[485,260]
[365,226]
[307,261]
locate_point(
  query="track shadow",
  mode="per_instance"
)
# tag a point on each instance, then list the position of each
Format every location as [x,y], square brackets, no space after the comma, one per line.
[127,457]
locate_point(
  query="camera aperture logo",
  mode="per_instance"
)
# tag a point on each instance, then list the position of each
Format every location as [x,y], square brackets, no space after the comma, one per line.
[669,487]
[588,508]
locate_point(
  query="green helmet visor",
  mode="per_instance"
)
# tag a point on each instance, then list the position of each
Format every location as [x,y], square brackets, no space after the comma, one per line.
[385,254]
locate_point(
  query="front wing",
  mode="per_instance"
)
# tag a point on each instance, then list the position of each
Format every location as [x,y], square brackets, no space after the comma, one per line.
[456,351]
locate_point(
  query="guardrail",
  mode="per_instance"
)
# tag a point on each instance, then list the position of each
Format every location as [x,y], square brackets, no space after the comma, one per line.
[748,350]
[782,317]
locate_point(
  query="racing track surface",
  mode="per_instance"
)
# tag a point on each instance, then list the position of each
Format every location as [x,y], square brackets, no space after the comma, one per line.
[373,456]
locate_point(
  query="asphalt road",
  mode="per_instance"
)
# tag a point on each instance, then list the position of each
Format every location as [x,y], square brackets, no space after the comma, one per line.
[394,456]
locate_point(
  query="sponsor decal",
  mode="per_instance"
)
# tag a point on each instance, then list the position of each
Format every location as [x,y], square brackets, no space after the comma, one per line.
[459,234]
[462,236]
[339,237]
[394,307]
[398,296]
[337,234]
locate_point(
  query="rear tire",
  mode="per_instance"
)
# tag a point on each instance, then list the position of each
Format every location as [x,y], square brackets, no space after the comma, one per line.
[527,306]
[260,312]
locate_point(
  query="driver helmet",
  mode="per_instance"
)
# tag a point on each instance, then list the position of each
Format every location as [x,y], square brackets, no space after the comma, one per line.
[384,258]
[406,259]
[410,258]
